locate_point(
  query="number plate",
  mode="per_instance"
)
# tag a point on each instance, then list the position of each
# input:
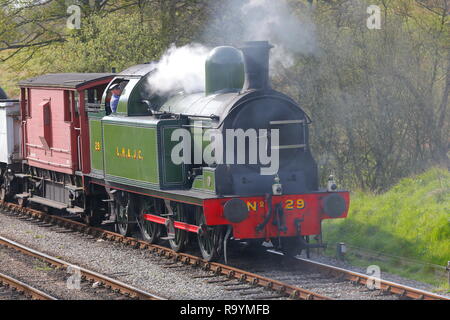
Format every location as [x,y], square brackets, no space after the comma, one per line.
[291,204]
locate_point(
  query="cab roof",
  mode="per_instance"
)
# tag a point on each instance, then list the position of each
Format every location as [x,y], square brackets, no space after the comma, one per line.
[138,70]
[64,80]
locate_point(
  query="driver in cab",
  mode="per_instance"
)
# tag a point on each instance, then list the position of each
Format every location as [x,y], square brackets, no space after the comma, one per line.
[116,92]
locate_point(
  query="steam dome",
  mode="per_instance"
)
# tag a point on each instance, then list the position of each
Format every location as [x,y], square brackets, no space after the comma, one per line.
[224,70]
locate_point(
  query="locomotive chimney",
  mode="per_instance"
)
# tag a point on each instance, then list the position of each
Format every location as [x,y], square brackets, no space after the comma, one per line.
[256,57]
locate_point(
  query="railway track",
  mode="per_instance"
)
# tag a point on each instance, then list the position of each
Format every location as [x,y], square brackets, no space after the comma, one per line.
[224,273]
[12,287]
[221,271]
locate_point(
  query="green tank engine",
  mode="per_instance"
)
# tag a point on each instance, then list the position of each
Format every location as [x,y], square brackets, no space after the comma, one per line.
[273,195]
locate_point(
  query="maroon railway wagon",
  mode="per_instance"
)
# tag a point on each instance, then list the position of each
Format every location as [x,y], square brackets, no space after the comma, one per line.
[55,136]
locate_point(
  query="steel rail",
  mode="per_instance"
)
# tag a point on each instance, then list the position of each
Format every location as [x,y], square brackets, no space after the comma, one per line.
[92,276]
[219,269]
[363,279]
[24,288]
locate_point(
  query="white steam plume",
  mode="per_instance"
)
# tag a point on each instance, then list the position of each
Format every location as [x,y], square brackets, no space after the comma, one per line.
[179,69]
[288,27]
[291,33]
[183,68]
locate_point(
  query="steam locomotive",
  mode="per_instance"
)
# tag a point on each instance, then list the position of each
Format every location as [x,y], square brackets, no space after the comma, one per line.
[66,152]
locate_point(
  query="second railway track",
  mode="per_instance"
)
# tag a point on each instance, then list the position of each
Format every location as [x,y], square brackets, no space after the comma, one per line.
[114,289]
[14,289]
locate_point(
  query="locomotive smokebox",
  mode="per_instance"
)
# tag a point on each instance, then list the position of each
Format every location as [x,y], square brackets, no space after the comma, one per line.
[256,56]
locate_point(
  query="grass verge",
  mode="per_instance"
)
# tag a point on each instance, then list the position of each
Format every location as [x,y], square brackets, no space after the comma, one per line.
[410,223]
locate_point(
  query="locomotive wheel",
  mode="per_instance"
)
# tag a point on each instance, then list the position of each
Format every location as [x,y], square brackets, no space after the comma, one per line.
[181,237]
[210,238]
[123,209]
[150,231]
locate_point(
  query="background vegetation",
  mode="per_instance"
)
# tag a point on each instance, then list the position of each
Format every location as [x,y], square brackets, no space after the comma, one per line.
[405,231]
[378,98]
